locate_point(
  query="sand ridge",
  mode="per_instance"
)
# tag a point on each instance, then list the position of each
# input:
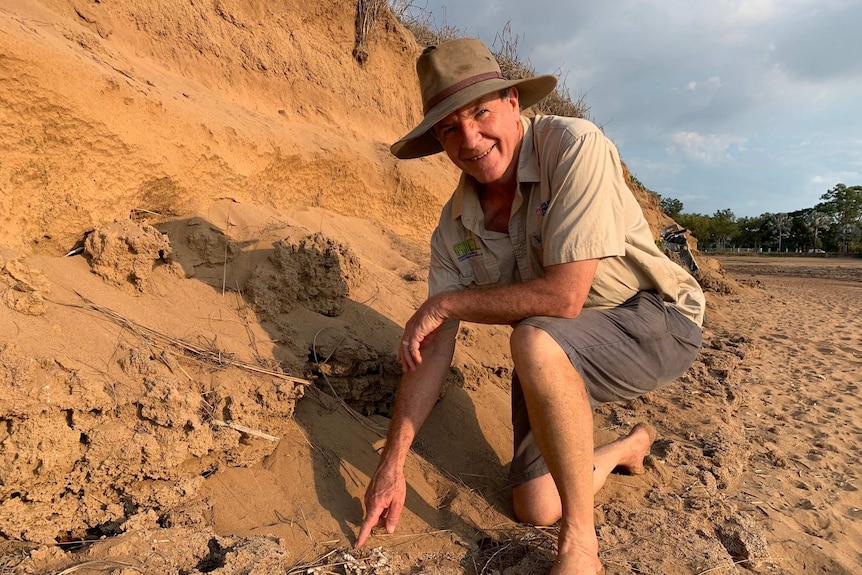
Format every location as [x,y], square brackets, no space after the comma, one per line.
[168,408]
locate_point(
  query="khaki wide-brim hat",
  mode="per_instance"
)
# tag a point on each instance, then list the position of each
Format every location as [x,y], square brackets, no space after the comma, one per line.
[453,75]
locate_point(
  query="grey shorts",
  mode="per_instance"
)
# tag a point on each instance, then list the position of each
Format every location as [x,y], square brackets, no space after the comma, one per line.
[621,353]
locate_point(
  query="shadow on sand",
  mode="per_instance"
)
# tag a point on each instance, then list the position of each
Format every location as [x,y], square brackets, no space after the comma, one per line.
[299,290]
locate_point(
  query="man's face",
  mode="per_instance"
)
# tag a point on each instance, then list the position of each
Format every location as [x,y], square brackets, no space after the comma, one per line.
[484,137]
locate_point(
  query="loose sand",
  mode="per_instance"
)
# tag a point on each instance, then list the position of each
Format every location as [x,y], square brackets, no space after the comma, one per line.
[206,258]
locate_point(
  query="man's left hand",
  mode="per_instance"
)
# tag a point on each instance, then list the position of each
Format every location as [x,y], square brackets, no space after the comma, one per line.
[419,331]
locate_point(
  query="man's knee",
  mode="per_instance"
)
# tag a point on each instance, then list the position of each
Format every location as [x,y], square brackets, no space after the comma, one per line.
[530,515]
[531,343]
[537,502]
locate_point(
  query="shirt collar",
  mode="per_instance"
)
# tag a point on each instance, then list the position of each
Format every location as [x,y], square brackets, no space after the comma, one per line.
[528,163]
[465,203]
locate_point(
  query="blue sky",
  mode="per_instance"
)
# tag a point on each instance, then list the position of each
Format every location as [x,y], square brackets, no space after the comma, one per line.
[751,105]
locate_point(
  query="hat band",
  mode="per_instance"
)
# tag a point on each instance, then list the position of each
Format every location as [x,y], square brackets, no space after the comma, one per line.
[460,86]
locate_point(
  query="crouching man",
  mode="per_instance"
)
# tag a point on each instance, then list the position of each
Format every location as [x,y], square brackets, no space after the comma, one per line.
[543,234]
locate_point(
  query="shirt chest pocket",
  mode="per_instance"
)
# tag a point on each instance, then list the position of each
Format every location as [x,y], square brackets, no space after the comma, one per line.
[481,270]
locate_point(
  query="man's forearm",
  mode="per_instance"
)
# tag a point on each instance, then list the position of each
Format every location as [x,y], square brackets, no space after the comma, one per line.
[419,390]
[560,293]
[417,394]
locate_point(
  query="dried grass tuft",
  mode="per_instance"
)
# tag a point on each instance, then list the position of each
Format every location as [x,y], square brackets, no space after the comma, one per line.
[367,12]
[348,561]
[9,562]
[420,23]
[531,548]
[557,103]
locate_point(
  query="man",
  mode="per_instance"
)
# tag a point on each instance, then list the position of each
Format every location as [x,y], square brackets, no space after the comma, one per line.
[541,234]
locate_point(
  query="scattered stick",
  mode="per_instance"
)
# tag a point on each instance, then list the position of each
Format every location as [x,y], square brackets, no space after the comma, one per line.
[244,429]
[105,564]
[350,473]
[494,556]
[728,566]
[157,338]
[319,562]
[305,521]
[143,211]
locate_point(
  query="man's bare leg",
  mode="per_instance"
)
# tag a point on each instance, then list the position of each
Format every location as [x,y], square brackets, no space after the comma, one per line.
[627,453]
[537,501]
[562,423]
[558,399]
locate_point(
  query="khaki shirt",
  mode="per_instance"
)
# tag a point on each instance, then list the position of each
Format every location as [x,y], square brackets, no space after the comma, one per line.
[572,203]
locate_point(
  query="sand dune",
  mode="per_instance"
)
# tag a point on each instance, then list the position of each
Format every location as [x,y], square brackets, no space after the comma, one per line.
[207,256]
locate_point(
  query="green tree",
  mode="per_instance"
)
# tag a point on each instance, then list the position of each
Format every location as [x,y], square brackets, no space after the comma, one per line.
[816,222]
[752,232]
[722,227]
[849,234]
[780,225]
[671,206]
[697,224]
[844,204]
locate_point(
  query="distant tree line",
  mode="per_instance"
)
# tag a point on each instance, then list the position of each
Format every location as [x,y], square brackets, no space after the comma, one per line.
[833,225]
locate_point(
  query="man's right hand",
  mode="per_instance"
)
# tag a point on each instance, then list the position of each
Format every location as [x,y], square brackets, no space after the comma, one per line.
[384,501]
[417,394]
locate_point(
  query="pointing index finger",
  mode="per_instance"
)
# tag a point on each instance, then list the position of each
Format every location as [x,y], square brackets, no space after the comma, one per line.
[371,520]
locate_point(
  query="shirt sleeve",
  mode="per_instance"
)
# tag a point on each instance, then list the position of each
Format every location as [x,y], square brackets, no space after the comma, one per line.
[443,274]
[585,214]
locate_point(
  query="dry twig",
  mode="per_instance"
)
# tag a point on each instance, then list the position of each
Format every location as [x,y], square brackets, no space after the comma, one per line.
[244,429]
[212,355]
[102,564]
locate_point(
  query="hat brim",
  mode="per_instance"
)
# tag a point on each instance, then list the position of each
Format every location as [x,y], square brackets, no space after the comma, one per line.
[421,142]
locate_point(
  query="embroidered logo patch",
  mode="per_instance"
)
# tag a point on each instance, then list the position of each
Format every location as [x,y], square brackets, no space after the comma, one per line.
[466,249]
[540,211]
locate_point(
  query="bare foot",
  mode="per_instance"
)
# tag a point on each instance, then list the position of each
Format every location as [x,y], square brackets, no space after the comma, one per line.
[638,442]
[576,561]
[573,566]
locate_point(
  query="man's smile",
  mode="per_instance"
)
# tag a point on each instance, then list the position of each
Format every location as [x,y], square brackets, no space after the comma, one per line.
[482,155]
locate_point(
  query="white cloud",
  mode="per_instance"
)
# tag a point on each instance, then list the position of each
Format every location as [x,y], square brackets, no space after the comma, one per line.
[752,11]
[835,178]
[651,170]
[708,149]
[704,89]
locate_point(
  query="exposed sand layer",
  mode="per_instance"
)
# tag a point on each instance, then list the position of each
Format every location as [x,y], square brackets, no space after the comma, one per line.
[206,258]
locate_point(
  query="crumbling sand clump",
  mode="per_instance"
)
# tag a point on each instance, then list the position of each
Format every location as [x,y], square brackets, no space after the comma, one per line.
[712,277]
[27,290]
[81,453]
[364,377]
[125,252]
[316,272]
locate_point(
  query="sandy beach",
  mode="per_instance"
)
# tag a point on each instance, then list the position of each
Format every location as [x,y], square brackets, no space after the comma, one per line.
[207,256]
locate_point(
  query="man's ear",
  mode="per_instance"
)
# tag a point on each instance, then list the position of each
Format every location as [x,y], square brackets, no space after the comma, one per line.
[514,99]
